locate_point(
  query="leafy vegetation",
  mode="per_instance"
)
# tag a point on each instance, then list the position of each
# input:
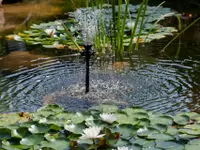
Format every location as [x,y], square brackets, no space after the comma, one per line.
[102,127]
[119,26]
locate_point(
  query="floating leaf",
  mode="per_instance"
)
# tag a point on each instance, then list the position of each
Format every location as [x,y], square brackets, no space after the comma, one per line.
[160,136]
[38,128]
[20,132]
[108,108]
[181,119]
[58,144]
[5,133]
[190,131]
[32,140]
[126,130]
[147,131]
[168,144]
[13,145]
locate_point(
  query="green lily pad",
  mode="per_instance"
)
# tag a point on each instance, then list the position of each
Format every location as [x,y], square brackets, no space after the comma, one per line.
[160,136]
[181,119]
[190,131]
[195,142]
[168,144]
[20,132]
[38,128]
[5,133]
[161,119]
[32,140]
[51,137]
[151,148]
[52,120]
[108,108]
[64,115]
[13,145]
[187,136]
[59,144]
[160,127]
[147,131]
[144,143]
[78,117]
[192,147]
[172,130]
[54,108]
[75,128]
[126,130]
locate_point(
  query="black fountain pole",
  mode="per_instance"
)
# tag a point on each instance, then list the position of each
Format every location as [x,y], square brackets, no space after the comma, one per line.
[87,53]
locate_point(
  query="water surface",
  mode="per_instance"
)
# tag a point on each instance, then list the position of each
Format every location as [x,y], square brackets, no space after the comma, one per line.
[166,82]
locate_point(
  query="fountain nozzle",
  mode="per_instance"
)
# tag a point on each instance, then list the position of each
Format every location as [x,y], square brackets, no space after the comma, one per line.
[87,53]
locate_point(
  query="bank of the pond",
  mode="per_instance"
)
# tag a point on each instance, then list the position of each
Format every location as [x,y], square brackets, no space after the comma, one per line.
[102,127]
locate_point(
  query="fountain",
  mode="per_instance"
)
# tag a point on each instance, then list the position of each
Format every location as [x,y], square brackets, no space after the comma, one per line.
[88,24]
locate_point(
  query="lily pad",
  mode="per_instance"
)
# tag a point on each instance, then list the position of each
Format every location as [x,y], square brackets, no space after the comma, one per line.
[32,140]
[181,119]
[160,136]
[168,144]
[126,130]
[38,128]
[5,133]
[147,131]
[59,144]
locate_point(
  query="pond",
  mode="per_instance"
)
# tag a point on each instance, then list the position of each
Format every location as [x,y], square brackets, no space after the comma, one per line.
[32,76]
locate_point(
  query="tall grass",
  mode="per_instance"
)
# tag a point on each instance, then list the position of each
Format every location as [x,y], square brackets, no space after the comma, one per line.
[178,35]
[117,26]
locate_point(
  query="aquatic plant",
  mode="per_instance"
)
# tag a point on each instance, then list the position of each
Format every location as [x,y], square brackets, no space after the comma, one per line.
[112,27]
[50,127]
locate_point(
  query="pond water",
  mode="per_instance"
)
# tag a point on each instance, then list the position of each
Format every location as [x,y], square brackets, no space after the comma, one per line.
[166,82]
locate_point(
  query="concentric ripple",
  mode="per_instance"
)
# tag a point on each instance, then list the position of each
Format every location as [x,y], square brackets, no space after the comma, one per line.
[166,86]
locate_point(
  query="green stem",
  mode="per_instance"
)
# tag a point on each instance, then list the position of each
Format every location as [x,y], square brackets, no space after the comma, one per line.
[135,26]
[71,36]
[163,50]
[141,24]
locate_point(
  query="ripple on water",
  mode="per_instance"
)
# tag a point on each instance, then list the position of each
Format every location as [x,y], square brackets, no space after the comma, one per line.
[162,86]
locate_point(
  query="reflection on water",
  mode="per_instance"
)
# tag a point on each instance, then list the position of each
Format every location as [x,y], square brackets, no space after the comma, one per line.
[164,82]
[29,11]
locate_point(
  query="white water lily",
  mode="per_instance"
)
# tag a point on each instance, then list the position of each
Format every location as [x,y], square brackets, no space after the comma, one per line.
[130,25]
[17,38]
[70,127]
[43,120]
[91,133]
[107,117]
[122,148]
[142,130]
[50,31]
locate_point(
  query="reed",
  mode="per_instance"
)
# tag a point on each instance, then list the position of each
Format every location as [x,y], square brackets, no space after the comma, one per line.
[178,35]
[130,47]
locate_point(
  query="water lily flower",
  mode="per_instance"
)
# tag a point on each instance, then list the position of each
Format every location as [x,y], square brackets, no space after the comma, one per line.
[122,148]
[50,31]
[17,38]
[91,133]
[70,127]
[130,25]
[142,130]
[107,117]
